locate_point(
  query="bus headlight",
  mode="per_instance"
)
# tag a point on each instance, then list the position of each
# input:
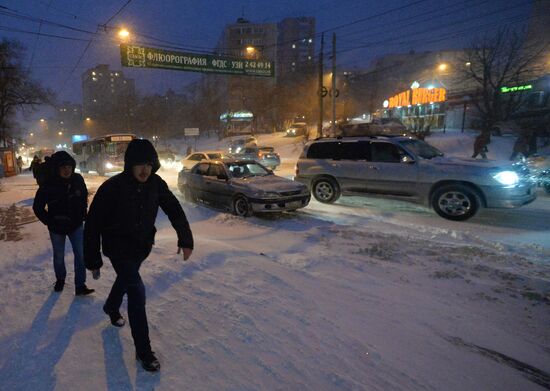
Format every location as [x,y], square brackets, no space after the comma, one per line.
[108,166]
[507,178]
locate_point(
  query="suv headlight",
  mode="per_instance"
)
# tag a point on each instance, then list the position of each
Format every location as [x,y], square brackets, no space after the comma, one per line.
[507,178]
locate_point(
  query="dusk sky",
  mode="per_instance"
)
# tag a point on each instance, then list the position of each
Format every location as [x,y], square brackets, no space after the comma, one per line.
[373,27]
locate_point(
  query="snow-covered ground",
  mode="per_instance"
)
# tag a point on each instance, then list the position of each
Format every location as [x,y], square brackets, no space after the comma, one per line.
[366,294]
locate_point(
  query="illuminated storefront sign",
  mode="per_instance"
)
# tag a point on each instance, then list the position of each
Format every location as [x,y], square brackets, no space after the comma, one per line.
[237,116]
[525,87]
[417,96]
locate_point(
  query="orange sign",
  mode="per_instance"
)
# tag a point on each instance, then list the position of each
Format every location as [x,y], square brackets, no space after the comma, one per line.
[418,96]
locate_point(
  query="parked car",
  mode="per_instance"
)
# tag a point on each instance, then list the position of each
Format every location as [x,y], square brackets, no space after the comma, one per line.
[237,144]
[189,161]
[411,169]
[241,186]
[297,129]
[264,155]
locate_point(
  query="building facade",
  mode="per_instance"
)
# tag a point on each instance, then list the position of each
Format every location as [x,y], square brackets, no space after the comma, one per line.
[295,47]
[108,99]
[68,117]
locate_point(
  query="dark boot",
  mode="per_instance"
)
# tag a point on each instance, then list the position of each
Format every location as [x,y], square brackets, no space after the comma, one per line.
[59,285]
[83,290]
[116,319]
[148,362]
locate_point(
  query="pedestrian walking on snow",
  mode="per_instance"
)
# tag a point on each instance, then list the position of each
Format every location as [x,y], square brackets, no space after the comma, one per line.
[65,196]
[121,221]
[480,145]
[521,146]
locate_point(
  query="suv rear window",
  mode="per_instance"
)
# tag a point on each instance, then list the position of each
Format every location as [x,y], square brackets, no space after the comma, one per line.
[324,150]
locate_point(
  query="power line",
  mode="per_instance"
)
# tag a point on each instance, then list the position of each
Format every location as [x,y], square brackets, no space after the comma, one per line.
[446,25]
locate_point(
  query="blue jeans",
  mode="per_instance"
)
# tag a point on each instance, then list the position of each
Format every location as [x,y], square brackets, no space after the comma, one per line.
[128,281]
[77,241]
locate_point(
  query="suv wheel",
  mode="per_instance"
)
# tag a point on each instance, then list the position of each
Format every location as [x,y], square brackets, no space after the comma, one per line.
[455,202]
[325,190]
[241,206]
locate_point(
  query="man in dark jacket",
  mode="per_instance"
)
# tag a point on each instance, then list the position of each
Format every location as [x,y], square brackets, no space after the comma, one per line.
[66,198]
[123,215]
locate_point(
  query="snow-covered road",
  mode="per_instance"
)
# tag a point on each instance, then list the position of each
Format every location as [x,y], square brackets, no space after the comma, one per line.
[365,294]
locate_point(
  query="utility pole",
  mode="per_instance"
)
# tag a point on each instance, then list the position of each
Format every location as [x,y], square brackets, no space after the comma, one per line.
[321,90]
[334,93]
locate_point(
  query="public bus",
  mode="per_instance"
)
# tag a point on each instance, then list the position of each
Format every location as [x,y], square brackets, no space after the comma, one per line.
[237,123]
[102,154]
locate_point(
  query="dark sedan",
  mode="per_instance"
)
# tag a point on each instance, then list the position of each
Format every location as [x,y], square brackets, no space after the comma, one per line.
[241,186]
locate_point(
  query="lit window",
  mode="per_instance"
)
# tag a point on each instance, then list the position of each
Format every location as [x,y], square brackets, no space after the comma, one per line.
[293,46]
[309,57]
[310,40]
[94,78]
[293,64]
[93,73]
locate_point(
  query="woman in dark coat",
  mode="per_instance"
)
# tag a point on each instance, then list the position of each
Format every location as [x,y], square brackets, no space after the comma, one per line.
[66,198]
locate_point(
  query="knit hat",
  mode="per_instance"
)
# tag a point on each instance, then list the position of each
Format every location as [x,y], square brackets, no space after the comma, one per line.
[141,151]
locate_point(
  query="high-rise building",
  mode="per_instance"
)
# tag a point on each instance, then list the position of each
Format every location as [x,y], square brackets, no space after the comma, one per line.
[295,46]
[245,39]
[68,117]
[105,90]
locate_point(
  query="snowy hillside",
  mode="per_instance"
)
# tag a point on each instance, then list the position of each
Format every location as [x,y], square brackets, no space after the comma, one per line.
[362,295]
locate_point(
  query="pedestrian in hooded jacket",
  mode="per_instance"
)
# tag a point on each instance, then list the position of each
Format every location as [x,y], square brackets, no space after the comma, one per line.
[121,221]
[66,198]
[480,145]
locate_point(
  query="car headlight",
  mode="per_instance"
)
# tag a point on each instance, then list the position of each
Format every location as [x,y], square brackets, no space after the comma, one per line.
[507,178]
[108,166]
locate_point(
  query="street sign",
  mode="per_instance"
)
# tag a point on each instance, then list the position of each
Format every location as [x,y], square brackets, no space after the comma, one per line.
[191,132]
[145,57]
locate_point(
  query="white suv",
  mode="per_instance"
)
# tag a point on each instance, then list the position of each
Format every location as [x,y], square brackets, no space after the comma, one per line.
[410,169]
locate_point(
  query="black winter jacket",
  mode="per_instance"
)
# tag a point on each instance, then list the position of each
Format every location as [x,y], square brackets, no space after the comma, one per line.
[123,214]
[66,201]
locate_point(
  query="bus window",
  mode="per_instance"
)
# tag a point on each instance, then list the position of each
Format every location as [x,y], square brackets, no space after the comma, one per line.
[77,149]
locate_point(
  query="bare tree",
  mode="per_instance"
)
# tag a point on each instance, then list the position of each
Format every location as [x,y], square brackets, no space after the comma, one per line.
[496,61]
[18,92]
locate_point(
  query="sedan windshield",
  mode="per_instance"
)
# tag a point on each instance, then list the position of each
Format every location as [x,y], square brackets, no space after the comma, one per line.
[421,148]
[245,169]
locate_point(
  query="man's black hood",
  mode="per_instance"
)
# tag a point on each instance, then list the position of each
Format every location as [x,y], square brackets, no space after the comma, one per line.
[62,158]
[141,151]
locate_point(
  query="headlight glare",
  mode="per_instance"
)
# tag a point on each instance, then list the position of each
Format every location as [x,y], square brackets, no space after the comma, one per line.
[507,178]
[108,166]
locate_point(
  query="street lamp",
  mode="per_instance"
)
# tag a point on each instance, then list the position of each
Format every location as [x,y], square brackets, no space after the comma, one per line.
[123,34]
[42,120]
[60,133]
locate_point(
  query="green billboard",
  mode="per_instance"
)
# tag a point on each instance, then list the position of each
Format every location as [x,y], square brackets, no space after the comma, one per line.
[145,57]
